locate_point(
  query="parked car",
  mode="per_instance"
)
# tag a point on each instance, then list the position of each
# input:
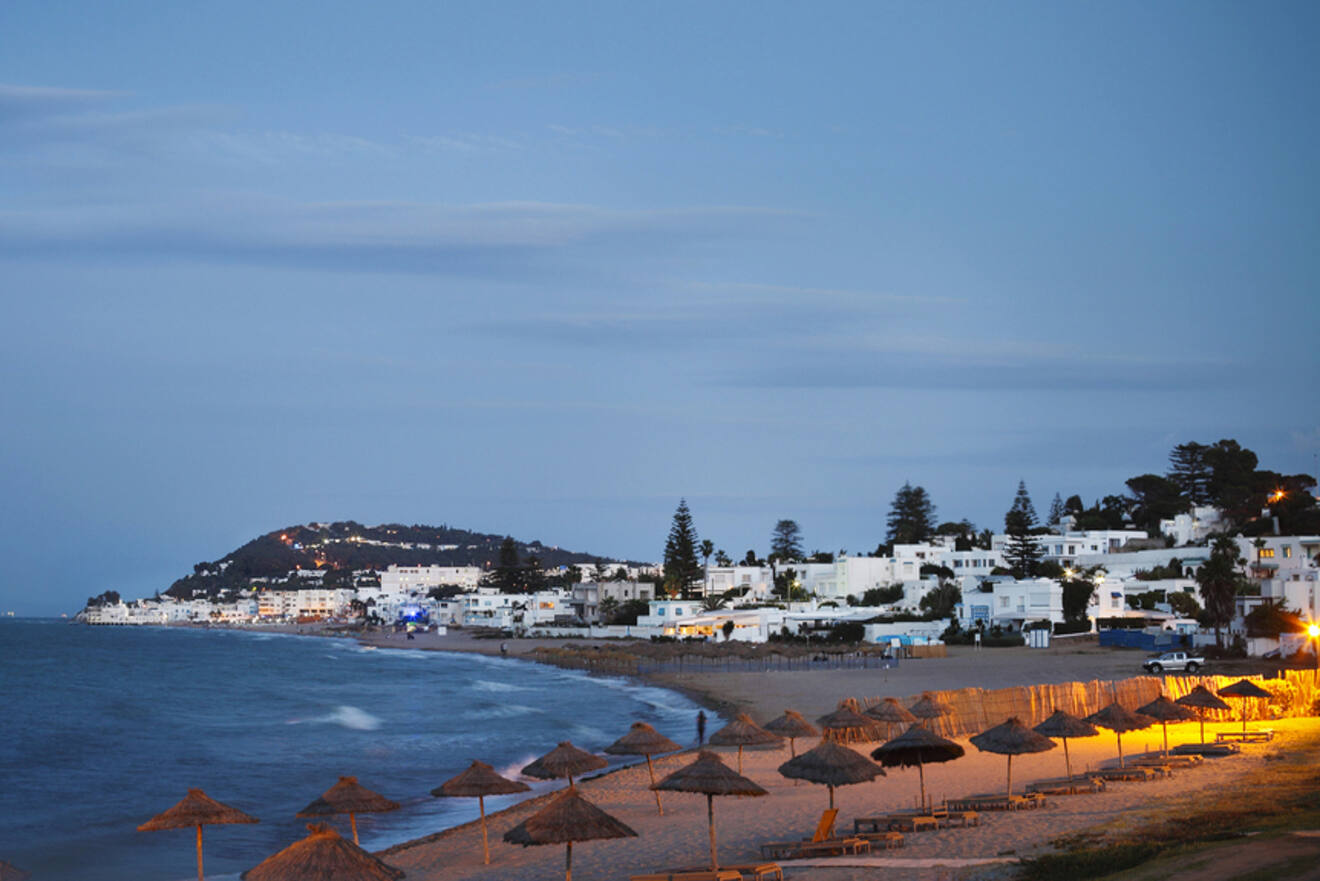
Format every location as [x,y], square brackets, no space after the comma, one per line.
[1173,662]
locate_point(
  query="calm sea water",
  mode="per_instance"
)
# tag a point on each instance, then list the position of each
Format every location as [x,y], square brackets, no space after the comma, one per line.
[102,728]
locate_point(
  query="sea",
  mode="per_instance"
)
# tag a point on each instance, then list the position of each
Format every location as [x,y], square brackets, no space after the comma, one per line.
[101,728]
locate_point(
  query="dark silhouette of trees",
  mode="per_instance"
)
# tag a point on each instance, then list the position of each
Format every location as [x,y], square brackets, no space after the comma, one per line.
[786,542]
[1190,472]
[681,568]
[1219,580]
[1022,551]
[911,516]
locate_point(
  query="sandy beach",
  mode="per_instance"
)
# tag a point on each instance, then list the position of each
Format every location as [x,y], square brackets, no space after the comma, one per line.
[678,839]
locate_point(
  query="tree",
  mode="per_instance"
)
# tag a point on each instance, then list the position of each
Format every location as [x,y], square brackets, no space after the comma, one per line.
[1056,512]
[1022,551]
[1272,618]
[722,559]
[939,602]
[1077,593]
[786,542]
[1190,472]
[609,607]
[707,548]
[1155,498]
[1184,605]
[713,603]
[506,575]
[727,630]
[882,596]
[681,569]
[911,516]
[1232,485]
[750,559]
[1219,580]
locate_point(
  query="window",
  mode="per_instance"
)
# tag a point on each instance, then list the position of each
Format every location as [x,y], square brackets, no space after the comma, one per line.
[1287,551]
[1266,553]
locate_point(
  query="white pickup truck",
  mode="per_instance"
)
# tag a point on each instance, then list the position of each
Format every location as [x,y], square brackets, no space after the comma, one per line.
[1173,661]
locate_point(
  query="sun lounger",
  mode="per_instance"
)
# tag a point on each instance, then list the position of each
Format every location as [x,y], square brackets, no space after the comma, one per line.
[962,818]
[707,875]
[887,839]
[1172,760]
[996,802]
[787,850]
[1127,772]
[1256,735]
[1067,785]
[1206,750]
[753,871]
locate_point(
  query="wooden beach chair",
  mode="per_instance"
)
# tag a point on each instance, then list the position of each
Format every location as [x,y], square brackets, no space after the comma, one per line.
[753,871]
[822,843]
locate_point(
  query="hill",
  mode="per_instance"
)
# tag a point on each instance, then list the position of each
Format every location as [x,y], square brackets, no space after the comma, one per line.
[342,547]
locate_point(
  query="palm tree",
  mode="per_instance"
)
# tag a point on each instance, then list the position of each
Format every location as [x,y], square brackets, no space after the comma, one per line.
[713,604]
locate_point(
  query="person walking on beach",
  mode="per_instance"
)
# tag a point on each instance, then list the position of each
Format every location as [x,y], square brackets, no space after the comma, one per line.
[701,727]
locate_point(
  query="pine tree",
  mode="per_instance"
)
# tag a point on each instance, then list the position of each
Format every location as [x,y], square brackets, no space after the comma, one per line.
[786,541]
[911,516]
[1022,552]
[507,575]
[681,567]
[1191,472]
[1056,512]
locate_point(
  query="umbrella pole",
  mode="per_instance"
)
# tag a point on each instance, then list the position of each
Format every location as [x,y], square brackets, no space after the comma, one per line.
[568,862]
[921,775]
[1010,777]
[831,789]
[1203,729]
[710,816]
[352,821]
[1119,735]
[651,768]
[1165,726]
[1067,762]
[792,748]
[199,853]
[1244,728]
[485,846]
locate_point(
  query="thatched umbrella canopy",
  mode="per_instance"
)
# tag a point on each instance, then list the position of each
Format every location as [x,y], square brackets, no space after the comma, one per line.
[930,707]
[567,819]
[564,760]
[196,809]
[10,872]
[349,797]
[847,725]
[1202,698]
[792,725]
[322,856]
[742,731]
[1063,726]
[1164,711]
[643,740]
[1244,688]
[832,764]
[891,712]
[479,781]
[1118,719]
[917,746]
[1011,738]
[710,777]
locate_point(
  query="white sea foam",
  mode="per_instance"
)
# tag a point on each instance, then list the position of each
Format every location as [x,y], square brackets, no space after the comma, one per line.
[346,717]
[488,685]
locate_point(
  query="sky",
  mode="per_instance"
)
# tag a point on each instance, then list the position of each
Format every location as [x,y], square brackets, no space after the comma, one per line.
[545,269]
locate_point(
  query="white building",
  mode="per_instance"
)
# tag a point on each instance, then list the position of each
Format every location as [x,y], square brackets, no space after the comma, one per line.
[1194,526]
[405,579]
[1068,549]
[587,596]
[1010,604]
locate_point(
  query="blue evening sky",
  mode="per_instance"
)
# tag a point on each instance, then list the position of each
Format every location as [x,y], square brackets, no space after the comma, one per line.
[542,269]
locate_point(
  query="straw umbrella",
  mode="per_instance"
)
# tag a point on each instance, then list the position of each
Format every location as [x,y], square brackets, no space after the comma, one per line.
[1119,719]
[742,731]
[710,777]
[479,781]
[792,725]
[1063,726]
[349,797]
[564,760]
[930,707]
[832,764]
[891,712]
[1244,688]
[567,819]
[1202,698]
[643,740]
[10,872]
[196,809]
[1011,738]
[917,746]
[1164,711]
[846,725]
[322,856]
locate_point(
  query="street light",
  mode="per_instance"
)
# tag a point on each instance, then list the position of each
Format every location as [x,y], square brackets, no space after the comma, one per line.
[1313,631]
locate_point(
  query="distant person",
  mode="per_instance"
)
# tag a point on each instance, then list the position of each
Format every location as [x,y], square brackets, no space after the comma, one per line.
[701,727]
[504,649]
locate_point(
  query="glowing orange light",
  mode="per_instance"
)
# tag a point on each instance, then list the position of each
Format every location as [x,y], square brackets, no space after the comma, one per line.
[1313,630]
[1278,494]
